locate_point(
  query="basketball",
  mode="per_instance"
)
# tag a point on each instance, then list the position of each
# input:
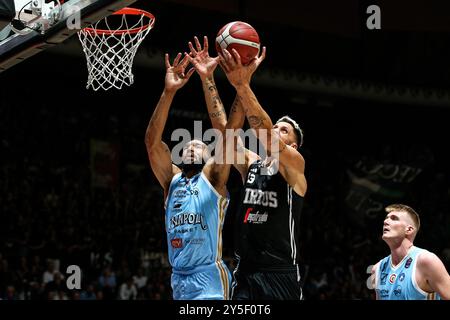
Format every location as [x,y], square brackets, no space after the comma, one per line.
[239,36]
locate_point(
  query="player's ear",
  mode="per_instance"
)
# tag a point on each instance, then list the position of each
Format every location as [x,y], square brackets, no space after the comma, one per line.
[294,145]
[410,229]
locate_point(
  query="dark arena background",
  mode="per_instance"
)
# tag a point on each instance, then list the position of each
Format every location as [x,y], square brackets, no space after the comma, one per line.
[76,187]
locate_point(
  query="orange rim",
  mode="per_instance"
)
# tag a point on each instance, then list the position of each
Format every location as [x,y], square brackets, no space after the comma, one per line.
[126,11]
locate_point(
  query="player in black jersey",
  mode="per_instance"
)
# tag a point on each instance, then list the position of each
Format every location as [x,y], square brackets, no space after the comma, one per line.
[268,219]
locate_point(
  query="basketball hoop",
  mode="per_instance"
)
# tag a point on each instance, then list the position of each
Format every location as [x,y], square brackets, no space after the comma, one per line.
[110,46]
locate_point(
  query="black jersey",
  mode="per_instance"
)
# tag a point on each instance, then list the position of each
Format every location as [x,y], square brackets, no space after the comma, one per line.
[268,222]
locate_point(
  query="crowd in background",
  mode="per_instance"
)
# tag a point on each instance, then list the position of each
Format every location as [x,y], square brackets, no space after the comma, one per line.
[52,216]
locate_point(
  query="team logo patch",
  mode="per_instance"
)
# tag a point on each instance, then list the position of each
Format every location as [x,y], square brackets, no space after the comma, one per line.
[194,192]
[408,263]
[176,243]
[401,277]
[398,290]
[392,278]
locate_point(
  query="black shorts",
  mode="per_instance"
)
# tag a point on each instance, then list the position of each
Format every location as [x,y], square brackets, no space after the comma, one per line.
[266,286]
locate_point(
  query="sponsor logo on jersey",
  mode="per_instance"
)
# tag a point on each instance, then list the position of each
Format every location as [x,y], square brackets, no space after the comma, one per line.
[262,198]
[392,278]
[176,243]
[383,293]
[383,278]
[408,263]
[398,290]
[401,277]
[189,218]
[183,230]
[255,217]
[183,193]
[177,206]
[180,194]
[195,241]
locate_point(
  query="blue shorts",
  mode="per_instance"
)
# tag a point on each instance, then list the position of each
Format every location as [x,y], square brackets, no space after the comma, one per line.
[204,283]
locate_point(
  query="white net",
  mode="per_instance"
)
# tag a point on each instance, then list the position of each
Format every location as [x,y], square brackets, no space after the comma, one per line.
[110,47]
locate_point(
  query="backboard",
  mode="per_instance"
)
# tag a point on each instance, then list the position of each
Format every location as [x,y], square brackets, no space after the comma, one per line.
[41,24]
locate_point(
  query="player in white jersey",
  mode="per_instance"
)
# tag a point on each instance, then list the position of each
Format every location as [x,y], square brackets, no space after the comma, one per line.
[409,272]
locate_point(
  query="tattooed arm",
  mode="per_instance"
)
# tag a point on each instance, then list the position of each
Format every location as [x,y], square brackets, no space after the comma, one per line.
[237,115]
[158,152]
[242,157]
[216,170]
[292,164]
[214,104]
[240,76]
[205,66]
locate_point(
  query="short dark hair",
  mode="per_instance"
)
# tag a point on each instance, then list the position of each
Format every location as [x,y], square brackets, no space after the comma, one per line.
[298,131]
[410,211]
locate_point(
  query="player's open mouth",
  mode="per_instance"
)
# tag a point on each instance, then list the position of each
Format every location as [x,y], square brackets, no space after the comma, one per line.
[385,230]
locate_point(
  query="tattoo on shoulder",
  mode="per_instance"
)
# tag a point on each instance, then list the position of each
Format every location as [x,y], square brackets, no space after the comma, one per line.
[212,87]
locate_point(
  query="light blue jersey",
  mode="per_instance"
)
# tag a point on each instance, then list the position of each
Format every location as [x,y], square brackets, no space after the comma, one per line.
[399,282]
[195,214]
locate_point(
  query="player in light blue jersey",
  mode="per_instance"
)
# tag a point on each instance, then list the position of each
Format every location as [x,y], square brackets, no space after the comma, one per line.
[196,197]
[409,272]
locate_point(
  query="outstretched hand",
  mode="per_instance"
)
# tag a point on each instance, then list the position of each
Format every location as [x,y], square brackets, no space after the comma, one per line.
[237,73]
[175,74]
[200,59]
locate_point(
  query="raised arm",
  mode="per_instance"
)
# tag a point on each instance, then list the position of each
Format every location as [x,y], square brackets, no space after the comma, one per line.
[205,66]
[217,170]
[237,115]
[239,76]
[292,162]
[242,157]
[158,152]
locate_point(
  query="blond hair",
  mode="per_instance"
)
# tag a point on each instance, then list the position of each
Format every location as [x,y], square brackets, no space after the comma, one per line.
[410,211]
